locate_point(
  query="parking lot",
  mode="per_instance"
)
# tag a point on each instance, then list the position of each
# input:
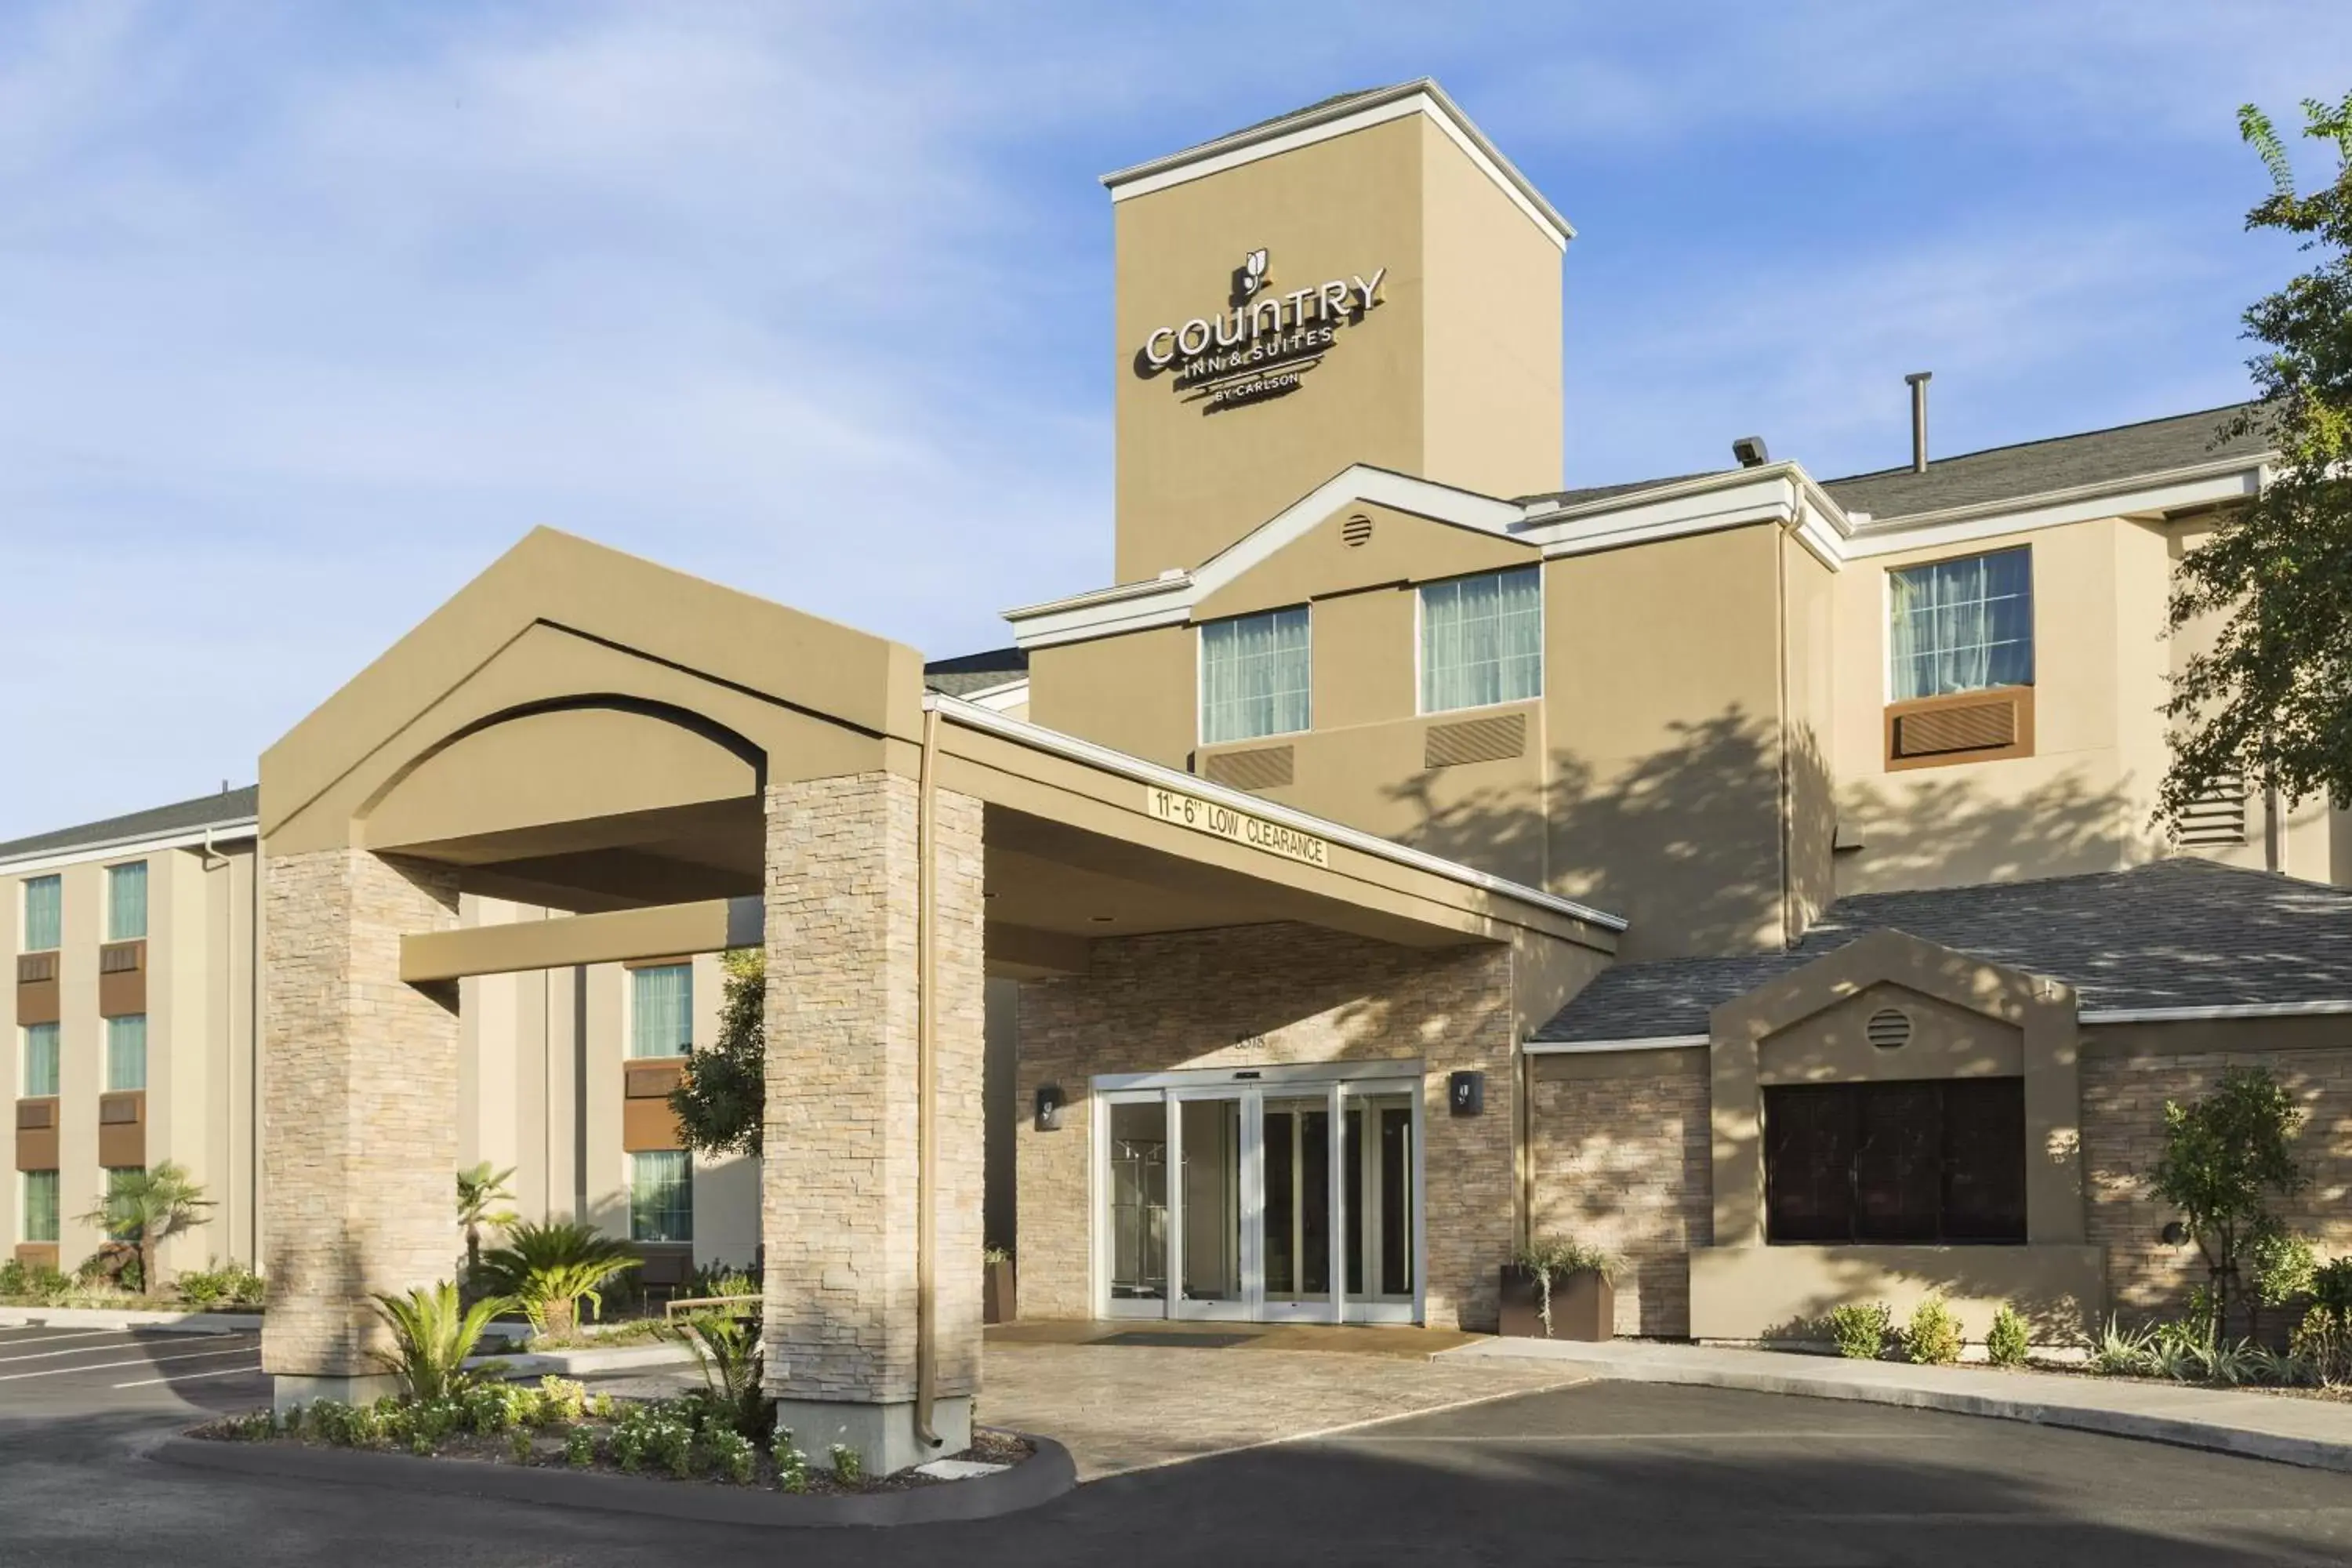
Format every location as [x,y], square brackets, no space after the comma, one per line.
[81,1369]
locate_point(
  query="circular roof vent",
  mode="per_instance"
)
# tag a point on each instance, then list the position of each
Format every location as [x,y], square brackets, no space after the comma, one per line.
[1357,530]
[1888,1027]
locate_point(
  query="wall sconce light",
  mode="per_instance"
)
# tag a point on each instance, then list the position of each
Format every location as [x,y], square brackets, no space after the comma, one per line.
[2174,1233]
[1049,1108]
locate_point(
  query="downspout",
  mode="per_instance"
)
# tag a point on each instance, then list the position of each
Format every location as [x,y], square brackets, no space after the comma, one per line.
[926,1116]
[1781,670]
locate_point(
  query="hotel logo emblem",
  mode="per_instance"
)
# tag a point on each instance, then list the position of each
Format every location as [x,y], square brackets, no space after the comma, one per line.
[1263,343]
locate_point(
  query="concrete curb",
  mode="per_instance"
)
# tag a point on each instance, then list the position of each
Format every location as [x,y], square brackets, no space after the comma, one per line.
[1045,1476]
[2183,1431]
[578,1363]
[126,1318]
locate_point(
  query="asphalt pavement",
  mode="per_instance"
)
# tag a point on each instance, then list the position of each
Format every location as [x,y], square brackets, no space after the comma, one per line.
[1601,1473]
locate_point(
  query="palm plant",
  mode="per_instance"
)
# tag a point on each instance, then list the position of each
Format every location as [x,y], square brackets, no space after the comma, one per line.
[481,1195]
[550,1269]
[728,1349]
[147,1208]
[432,1335]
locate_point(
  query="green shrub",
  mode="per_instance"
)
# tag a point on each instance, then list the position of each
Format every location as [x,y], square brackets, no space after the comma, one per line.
[550,1269]
[792,1465]
[432,1336]
[848,1467]
[1933,1336]
[731,1454]
[38,1280]
[727,1349]
[580,1447]
[220,1284]
[519,1445]
[2008,1342]
[2120,1353]
[1861,1329]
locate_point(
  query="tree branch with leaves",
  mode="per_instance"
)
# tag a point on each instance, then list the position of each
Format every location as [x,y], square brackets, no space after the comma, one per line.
[2271,699]
[723,1096]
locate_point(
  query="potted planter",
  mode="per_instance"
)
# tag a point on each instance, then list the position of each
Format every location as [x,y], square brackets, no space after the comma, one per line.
[1560,1290]
[1000,1295]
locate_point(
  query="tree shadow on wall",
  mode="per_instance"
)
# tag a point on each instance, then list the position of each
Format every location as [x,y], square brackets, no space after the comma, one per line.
[1685,841]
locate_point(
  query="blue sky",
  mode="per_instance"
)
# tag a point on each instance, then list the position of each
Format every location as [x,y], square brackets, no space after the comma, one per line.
[308,311]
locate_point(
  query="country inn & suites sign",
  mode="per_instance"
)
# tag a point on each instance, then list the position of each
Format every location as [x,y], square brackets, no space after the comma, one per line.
[1263,343]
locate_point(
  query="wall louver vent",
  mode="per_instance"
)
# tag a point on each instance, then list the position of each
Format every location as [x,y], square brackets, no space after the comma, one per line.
[118,958]
[34,967]
[1475,741]
[1265,767]
[1888,1027]
[1357,530]
[1970,727]
[2216,819]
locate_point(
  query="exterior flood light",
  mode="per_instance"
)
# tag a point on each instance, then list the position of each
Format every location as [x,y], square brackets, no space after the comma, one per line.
[2173,1233]
[1049,1108]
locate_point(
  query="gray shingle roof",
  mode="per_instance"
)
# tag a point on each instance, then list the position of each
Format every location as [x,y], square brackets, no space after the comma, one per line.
[2037,468]
[180,816]
[2183,932]
[970,672]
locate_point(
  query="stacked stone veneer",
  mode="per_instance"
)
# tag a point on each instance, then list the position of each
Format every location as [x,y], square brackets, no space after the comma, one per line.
[1620,1156]
[839,1174]
[1259,996]
[359,1107]
[2122,1136]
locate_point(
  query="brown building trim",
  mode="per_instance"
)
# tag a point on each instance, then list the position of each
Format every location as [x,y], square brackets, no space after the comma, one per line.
[37,1001]
[122,1129]
[122,979]
[38,1254]
[1988,726]
[37,1147]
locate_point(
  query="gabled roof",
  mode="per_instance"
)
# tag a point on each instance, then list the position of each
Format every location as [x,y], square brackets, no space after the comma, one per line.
[228,808]
[2040,468]
[967,673]
[2182,933]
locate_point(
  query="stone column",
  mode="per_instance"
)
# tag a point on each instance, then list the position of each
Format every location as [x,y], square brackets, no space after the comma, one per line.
[360,1112]
[838,1210]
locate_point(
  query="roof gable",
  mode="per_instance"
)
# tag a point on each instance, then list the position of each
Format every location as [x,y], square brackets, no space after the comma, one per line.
[1363,544]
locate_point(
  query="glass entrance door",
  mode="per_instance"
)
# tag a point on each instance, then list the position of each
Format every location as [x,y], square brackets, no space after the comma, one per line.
[1290,1201]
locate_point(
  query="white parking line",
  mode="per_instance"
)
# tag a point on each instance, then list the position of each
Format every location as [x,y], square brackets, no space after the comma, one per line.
[109,1365]
[77,1350]
[192,1376]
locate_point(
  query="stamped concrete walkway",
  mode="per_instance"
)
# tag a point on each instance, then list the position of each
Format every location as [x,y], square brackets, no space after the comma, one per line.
[1121,1400]
[2317,1433]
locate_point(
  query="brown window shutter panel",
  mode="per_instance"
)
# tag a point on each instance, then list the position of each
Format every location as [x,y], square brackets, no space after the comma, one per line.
[32,968]
[36,1113]
[1261,768]
[1974,727]
[1490,739]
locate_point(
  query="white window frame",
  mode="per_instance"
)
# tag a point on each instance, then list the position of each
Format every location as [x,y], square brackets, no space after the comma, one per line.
[1887,697]
[1420,644]
[1200,677]
[629,1039]
[629,1194]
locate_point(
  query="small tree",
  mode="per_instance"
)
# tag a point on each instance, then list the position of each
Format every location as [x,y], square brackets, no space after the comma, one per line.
[724,1093]
[2267,700]
[2226,1157]
[147,1208]
[481,1196]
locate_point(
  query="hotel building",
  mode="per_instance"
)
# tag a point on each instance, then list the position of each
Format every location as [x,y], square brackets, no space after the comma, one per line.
[1749,872]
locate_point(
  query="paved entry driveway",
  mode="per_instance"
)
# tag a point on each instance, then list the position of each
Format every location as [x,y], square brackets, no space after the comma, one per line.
[1119,1405]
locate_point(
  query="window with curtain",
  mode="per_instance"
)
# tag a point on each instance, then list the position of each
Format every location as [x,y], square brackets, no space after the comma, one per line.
[44,913]
[117,1176]
[41,1075]
[1482,640]
[1962,625]
[661,1196]
[126,1053]
[126,901]
[1255,673]
[661,1010]
[40,1205]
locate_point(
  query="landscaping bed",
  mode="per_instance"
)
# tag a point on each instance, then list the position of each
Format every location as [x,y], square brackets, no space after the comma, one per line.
[560,1426]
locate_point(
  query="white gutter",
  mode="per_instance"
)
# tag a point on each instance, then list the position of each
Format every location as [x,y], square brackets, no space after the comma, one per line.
[230,830]
[2089,1015]
[1591,1047]
[974,716]
[2201,1015]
